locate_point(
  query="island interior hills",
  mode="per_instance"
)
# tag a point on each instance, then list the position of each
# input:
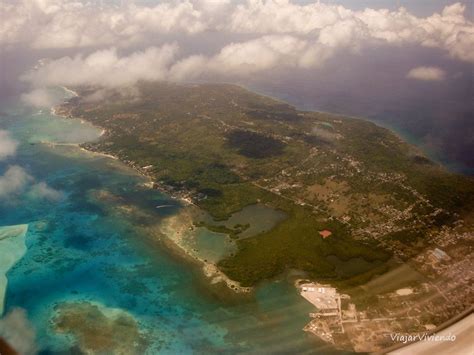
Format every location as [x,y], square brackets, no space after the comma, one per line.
[376,230]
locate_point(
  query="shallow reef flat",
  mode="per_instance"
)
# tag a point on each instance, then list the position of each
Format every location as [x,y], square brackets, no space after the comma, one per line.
[12,249]
[99,329]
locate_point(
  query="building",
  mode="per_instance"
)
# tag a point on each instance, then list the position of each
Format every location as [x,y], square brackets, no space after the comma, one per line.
[325,233]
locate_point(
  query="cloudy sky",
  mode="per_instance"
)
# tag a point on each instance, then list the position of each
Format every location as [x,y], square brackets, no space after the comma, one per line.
[382,59]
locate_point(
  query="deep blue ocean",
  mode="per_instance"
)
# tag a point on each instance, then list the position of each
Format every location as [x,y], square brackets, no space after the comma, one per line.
[79,249]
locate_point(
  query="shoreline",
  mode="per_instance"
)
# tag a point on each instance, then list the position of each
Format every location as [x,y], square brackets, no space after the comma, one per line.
[208,269]
[438,157]
[133,165]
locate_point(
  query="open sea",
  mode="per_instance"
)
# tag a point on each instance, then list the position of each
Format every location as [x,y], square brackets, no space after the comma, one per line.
[88,247]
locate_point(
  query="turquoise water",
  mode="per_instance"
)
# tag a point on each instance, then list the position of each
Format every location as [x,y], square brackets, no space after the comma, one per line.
[79,249]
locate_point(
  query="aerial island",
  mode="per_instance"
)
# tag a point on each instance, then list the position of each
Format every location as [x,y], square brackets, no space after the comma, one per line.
[380,231]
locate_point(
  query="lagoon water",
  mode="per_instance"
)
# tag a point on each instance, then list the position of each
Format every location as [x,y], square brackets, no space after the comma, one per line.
[88,245]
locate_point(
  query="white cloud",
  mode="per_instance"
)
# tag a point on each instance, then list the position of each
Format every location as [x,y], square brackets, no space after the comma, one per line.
[105,68]
[18,332]
[427,74]
[75,24]
[191,67]
[278,34]
[7,145]
[41,190]
[40,98]
[282,16]
[254,56]
[450,30]
[259,54]
[16,181]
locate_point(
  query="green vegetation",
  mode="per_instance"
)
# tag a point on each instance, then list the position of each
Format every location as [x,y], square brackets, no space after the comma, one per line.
[296,243]
[227,148]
